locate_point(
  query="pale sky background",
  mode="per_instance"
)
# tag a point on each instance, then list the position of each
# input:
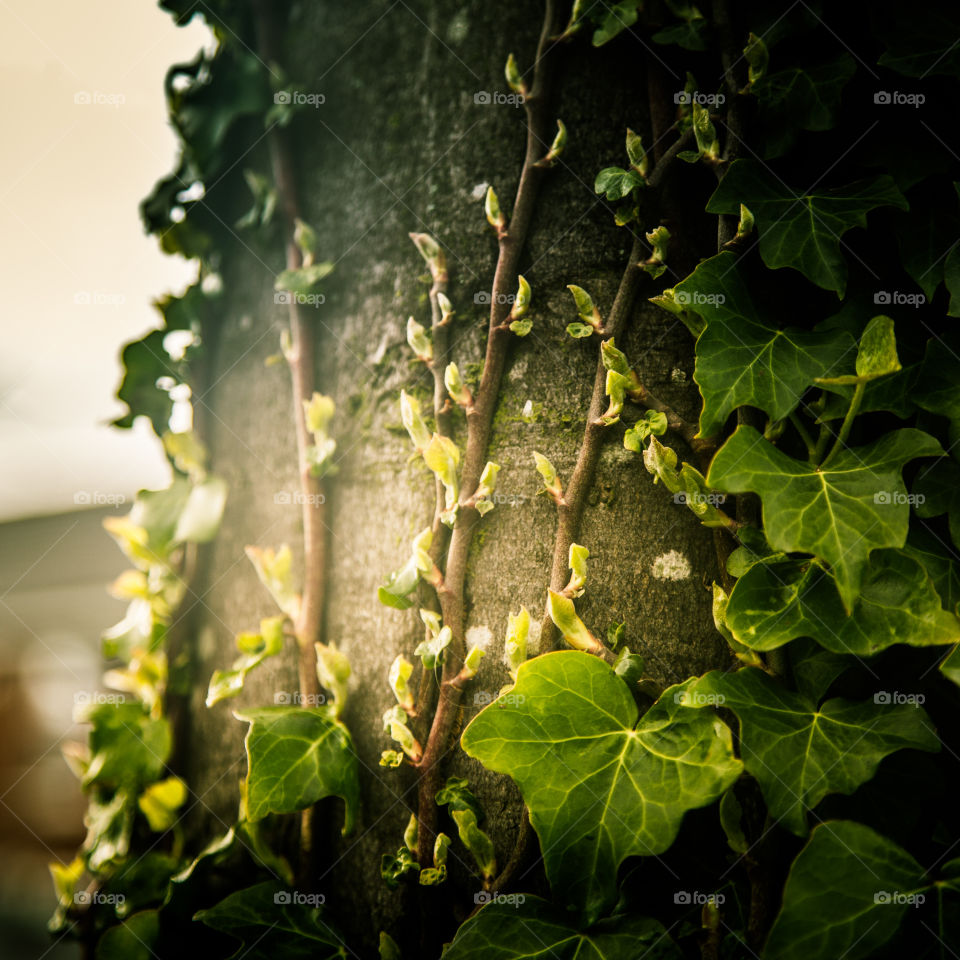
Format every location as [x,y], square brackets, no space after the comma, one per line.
[71,178]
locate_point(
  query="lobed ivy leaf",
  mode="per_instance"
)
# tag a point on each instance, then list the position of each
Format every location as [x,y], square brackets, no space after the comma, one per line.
[775,602]
[128,747]
[520,925]
[296,756]
[255,648]
[837,901]
[939,564]
[616,183]
[272,926]
[800,752]
[741,358]
[799,98]
[803,231]
[599,786]
[839,513]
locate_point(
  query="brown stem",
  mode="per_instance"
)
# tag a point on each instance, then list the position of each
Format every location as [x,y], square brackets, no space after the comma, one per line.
[480,419]
[571,506]
[309,624]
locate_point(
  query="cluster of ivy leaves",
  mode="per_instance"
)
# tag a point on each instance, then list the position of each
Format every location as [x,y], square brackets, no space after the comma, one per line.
[821,770]
[830,747]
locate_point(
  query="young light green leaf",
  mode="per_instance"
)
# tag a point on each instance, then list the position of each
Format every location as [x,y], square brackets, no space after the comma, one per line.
[636,154]
[434,256]
[515,645]
[746,224]
[803,231]
[413,422]
[394,867]
[471,663]
[719,608]
[521,327]
[456,387]
[557,147]
[757,57]
[775,602]
[877,354]
[634,780]
[443,458]
[418,341]
[564,615]
[577,561]
[653,424]
[399,678]
[274,570]
[305,237]
[388,949]
[792,746]
[318,412]
[430,651]
[615,359]
[550,479]
[512,73]
[476,841]
[395,723]
[839,899]
[446,307]
[333,672]
[617,386]
[303,280]
[491,207]
[160,802]
[255,648]
[838,513]
[295,757]
[580,331]
[617,184]
[521,302]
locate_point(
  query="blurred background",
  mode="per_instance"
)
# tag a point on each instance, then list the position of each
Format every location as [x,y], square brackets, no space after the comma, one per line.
[86,136]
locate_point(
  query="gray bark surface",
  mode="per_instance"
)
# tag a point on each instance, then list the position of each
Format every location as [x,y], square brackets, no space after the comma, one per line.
[400,145]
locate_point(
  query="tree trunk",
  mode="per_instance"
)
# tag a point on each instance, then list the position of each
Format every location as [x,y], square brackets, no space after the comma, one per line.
[401,144]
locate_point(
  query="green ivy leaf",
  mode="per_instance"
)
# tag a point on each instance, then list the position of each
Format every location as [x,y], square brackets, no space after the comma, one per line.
[128,747]
[798,99]
[255,649]
[921,45]
[773,603]
[616,183]
[838,513]
[939,564]
[835,903]
[599,786]
[296,756]
[614,19]
[519,925]
[742,359]
[134,939]
[800,752]
[303,280]
[272,926]
[803,231]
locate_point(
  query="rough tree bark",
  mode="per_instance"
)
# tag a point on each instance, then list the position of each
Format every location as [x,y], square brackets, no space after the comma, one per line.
[400,145]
